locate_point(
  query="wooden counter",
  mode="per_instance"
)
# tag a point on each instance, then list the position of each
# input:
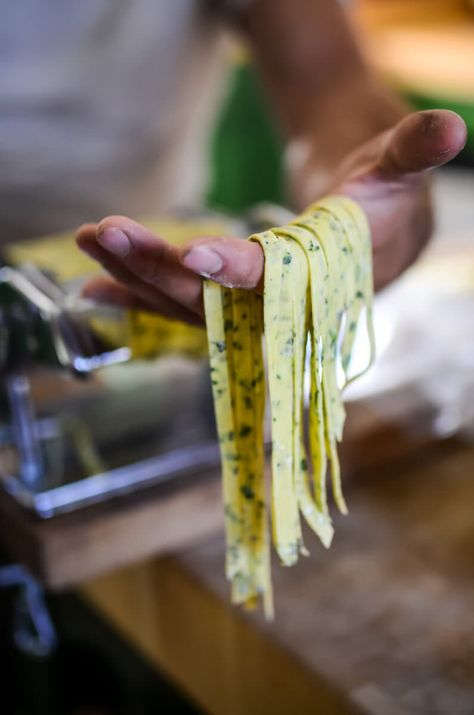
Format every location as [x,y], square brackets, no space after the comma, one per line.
[381,624]
[68,549]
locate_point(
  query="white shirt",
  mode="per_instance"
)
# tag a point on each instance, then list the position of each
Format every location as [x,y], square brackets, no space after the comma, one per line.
[104,108]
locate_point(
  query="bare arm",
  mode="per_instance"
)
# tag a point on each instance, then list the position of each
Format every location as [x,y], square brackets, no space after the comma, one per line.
[327,100]
[344,136]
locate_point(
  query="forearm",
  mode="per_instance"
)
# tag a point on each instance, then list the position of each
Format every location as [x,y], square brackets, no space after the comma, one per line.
[326,99]
[335,124]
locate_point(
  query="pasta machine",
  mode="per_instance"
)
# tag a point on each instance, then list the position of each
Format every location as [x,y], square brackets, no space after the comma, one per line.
[82,419]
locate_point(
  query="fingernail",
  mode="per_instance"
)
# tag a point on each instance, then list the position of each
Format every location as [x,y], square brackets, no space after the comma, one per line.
[115,241]
[203,260]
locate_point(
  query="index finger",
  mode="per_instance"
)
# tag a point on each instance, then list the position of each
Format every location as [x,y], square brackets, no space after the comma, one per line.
[178,273]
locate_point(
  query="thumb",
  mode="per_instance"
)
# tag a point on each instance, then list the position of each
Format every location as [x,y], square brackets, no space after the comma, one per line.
[232,262]
[423,140]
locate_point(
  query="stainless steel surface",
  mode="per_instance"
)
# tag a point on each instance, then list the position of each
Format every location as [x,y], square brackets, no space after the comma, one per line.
[23,425]
[66,443]
[42,325]
[126,428]
[123,480]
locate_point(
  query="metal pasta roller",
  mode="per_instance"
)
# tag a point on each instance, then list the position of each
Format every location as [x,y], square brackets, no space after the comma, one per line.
[84,417]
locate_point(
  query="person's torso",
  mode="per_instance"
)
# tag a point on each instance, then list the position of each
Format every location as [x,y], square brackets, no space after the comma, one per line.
[98,100]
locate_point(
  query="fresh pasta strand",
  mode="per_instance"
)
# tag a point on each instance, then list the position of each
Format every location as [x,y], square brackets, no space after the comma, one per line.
[316,514]
[278,326]
[317,285]
[215,301]
[335,300]
[234,334]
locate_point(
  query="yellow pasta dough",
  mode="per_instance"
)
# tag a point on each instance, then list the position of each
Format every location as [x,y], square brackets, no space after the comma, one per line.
[318,284]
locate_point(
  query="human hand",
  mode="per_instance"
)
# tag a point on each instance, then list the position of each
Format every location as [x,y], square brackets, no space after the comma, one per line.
[387,176]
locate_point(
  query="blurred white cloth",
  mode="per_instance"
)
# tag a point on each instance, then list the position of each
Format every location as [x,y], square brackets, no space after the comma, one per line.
[104,108]
[424,323]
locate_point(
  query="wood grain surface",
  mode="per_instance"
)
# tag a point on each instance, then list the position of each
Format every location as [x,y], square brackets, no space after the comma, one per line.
[66,550]
[384,620]
[71,548]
